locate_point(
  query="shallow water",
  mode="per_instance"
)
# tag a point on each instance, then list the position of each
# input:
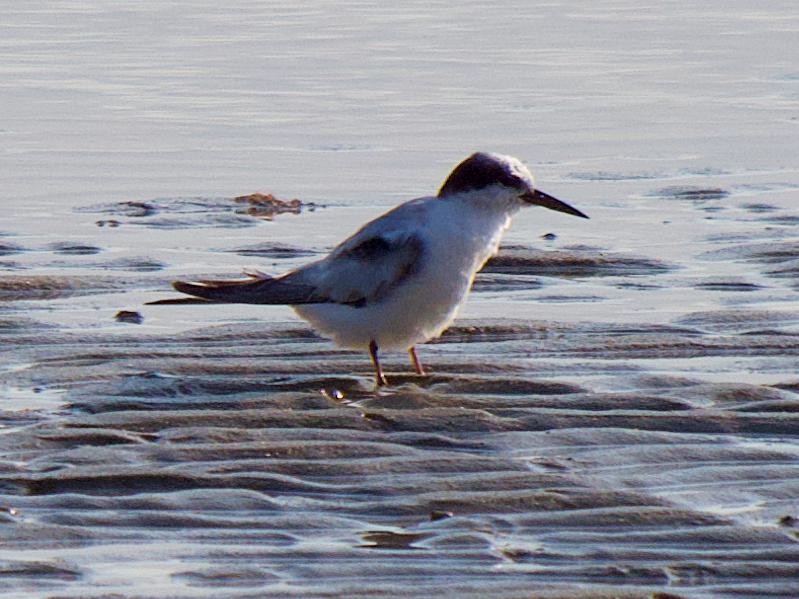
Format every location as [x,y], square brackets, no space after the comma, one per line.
[614,414]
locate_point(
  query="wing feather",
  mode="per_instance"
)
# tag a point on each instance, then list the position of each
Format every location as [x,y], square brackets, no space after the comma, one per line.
[359,272]
[364,270]
[261,289]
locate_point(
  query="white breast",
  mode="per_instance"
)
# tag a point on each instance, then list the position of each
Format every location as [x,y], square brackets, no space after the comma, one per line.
[458,238]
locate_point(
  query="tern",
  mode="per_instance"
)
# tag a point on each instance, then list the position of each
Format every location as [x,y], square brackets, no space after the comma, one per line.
[401,279]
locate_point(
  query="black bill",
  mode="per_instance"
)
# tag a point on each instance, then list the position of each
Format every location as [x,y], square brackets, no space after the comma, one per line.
[539,198]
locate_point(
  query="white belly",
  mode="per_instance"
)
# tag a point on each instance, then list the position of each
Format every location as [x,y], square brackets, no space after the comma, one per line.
[422,306]
[417,310]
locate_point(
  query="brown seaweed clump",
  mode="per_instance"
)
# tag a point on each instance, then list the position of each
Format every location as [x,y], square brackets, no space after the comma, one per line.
[267,206]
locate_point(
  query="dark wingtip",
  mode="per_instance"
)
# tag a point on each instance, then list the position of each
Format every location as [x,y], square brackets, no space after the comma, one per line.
[179,301]
[183,287]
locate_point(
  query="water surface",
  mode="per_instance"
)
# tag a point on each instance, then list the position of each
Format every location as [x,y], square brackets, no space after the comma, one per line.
[614,414]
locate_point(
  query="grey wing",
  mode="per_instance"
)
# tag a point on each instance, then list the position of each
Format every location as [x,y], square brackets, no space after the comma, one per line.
[256,289]
[364,269]
[360,271]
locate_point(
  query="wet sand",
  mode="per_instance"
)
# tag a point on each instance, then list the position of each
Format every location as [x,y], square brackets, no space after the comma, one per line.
[560,458]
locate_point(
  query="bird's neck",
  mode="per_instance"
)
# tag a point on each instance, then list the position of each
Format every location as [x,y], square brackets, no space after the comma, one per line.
[481,218]
[494,204]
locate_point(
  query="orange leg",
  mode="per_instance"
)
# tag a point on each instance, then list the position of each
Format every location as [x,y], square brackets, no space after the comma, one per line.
[380,379]
[417,365]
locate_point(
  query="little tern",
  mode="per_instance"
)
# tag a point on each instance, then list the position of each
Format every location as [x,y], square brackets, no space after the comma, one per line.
[400,279]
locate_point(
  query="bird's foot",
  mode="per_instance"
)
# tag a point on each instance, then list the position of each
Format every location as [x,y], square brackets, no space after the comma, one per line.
[417,364]
[380,378]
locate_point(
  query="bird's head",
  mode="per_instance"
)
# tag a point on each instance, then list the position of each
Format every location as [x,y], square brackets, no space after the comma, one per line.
[503,177]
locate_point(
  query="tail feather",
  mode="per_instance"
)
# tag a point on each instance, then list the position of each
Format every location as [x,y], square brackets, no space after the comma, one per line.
[173,301]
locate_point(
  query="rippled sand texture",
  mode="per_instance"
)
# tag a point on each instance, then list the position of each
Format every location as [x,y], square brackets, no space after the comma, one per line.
[615,414]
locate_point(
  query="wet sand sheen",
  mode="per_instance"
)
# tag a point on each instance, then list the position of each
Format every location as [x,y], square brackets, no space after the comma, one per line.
[566,457]
[570,457]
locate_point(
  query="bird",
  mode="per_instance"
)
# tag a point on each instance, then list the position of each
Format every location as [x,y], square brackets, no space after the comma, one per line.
[401,278]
